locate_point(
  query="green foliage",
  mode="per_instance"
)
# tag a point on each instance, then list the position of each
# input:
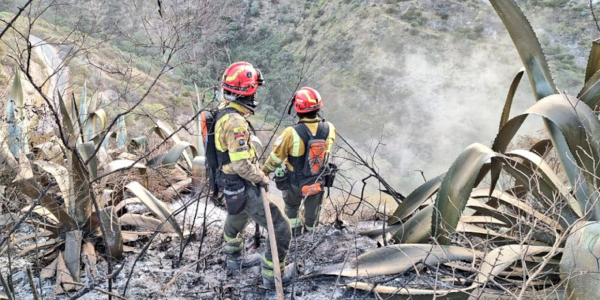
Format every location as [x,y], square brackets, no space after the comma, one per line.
[414,16]
[391,10]
[155,110]
[255,9]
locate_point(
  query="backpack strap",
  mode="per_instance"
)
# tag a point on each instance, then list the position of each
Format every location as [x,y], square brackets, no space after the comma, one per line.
[305,133]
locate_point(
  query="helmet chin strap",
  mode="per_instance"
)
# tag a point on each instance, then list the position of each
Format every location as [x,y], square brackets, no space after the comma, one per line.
[248,102]
[290,106]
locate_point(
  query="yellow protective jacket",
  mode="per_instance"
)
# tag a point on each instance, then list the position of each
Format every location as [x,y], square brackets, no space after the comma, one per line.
[232,135]
[289,143]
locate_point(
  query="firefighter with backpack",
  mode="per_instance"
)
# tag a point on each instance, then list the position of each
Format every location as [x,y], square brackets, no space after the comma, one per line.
[299,160]
[239,176]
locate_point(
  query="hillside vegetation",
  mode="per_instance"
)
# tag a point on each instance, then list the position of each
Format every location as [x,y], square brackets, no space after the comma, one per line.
[408,69]
[101,157]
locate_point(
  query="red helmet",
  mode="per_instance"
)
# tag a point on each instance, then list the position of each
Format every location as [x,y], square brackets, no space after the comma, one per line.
[242,78]
[307,99]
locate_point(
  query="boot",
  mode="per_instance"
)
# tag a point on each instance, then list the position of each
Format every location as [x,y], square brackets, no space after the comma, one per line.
[297,226]
[237,263]
[268,276]
[297,231]
[235,260]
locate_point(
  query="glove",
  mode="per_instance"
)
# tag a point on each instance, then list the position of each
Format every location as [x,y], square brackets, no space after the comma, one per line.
[265,170]
[264,183]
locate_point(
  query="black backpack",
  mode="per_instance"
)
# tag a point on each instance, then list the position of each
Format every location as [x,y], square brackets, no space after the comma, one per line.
[209,120]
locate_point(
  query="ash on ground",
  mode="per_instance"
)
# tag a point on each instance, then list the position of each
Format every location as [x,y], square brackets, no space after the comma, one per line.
[163,272]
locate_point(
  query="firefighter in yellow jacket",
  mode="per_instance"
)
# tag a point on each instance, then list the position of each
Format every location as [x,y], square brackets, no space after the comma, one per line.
[240,176]
[292,150]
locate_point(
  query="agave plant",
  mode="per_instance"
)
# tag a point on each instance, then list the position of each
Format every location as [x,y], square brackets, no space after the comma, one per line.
[16,118]
[75,213]
[541,225]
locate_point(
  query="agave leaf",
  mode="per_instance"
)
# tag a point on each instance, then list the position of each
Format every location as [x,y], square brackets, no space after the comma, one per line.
[415,230]
[164,130]
[173,192]
[549,176]
[121,133]
[565,117]
[132,236]
[86,150]
[159,208]
[32,189]
[543,85]
[64,219]
[9,166]
[488,235]
[14,130]
[483,209]
[501,258]
[545,192]
[579,263]
[580,126]
[83,105]
[124,203]
[528,47]
[172,156]
[590,93]
[378,232]
[16,91]
[196,105]
[72,252]
[39,234]
[112,231]
[95,125]
[67,122]
[140,141]
[396,259]
[509,98]
[416,198]
[94,103]
[61,176]
[593,65]
[107,137]
[439,293]
[21,121]
[121,164]
[63,275]
[89,258]
[542,147]
[481,220]
[144,222]
[83,203]
[516,204]
[42,212]
[55,229]
[49,270]
[51,151]
[456,187]
[37,246]
[196,108]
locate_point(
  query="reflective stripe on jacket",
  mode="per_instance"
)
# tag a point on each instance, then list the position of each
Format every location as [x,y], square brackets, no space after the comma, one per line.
[232,135]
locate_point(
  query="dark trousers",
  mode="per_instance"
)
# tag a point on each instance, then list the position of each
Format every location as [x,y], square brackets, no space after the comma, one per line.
[312,207]
[234,224]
